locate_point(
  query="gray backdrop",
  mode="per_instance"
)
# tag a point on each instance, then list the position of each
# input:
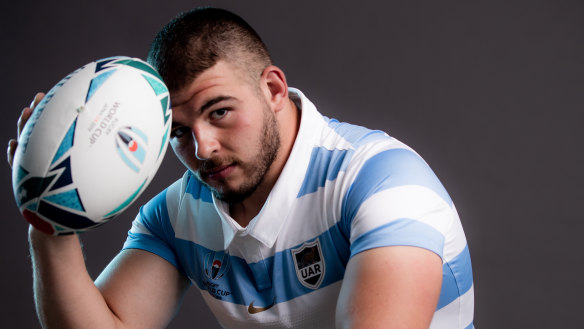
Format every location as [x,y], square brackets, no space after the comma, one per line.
[490,93]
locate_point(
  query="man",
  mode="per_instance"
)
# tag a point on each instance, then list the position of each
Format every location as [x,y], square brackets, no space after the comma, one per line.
[284,218]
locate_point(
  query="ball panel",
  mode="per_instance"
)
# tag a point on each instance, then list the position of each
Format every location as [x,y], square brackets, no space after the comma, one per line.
[31,189]
[68,199]
[156,85]
[63,172]
[97,82]
[66,143]
[39,223]
[65,217]
[140,65]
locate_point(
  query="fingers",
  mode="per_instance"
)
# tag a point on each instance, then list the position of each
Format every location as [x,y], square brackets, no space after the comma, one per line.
[10,151]
[24,116]
[37,99]
[27,111]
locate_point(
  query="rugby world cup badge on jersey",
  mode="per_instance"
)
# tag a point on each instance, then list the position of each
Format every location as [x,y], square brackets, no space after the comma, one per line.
[92,145]
[216,265]
[309,264]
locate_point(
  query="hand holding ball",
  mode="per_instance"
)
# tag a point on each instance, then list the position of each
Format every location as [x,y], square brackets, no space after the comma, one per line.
[91,146]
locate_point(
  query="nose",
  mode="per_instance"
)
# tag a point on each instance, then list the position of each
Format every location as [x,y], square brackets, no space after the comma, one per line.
[205,142]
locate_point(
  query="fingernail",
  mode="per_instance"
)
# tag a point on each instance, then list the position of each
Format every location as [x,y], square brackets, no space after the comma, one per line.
[32,104]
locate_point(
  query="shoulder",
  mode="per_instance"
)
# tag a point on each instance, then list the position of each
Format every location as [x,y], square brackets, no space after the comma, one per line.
[165,207]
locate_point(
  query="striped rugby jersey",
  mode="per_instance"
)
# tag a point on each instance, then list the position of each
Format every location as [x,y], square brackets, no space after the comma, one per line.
[343,190]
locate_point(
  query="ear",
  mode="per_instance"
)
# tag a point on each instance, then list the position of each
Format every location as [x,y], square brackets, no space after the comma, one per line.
[274,87]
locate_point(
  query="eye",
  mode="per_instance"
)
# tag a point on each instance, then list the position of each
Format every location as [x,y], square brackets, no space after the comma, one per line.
[179,132]
[218,114]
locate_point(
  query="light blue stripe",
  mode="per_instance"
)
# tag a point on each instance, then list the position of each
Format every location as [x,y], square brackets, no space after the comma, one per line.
[385,170]
[154,216]
[127,160]
[157,85]
[163,144]
[324,165]
[97,82]
[198,190]
[240,279]
[140,153]
[470,326]
[140,133]
[151,244]
[69,199]
[165,110]
[401,232]
[356,135]
[192,258]
[456,278]
[66,143]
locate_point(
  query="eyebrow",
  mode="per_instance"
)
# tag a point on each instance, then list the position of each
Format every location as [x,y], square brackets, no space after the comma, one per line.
[205,106]
[213,101]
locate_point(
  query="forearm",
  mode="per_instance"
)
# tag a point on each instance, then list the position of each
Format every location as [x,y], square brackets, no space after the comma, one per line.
[65,294]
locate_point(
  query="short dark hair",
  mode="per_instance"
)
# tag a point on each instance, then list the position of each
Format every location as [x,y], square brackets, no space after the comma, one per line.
[196,40]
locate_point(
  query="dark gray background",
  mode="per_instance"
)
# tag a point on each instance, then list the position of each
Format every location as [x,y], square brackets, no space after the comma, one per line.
[490,93]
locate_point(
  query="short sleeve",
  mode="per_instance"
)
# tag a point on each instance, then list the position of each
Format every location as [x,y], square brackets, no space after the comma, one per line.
[151,229]
[396,200]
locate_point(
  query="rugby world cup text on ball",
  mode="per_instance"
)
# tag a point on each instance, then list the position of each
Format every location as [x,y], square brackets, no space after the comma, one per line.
[104,122]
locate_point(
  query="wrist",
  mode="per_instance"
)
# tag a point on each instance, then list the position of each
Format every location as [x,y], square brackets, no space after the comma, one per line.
[40,241]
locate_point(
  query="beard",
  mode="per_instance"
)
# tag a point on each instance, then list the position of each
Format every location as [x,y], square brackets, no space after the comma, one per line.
[255,170]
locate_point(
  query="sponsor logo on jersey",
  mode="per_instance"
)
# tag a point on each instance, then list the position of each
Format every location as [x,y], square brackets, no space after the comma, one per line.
[253,309]
[216,290]
[309,264]
[216,265]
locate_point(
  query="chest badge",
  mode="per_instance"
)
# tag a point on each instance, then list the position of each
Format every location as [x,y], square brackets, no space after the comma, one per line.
[216,265]
[309,264]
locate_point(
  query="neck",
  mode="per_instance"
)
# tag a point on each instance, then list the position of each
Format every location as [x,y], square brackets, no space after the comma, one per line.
[288,123]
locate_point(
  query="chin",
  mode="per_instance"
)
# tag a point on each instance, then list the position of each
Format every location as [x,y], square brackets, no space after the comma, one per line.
[230,197]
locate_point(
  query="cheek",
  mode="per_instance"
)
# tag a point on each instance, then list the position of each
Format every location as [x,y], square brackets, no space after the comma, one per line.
[185,152]
[246,134]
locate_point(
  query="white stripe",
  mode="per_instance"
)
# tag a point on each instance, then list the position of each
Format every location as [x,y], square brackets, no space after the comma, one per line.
[413,202]
[460,311]
[455,240]
[139,228]
[408,201]
[174,195]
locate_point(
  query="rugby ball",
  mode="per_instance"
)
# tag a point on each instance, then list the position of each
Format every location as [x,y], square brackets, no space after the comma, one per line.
[91,146]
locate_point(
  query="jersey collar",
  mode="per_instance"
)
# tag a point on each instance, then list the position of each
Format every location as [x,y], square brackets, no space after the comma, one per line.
[266,225]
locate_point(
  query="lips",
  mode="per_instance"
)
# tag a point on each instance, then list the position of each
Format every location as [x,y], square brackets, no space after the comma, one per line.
[218,172]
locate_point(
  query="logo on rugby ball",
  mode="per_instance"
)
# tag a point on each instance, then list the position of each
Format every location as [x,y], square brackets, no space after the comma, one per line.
[131,143]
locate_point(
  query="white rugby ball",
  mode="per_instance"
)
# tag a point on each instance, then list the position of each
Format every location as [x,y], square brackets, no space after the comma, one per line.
[92,145]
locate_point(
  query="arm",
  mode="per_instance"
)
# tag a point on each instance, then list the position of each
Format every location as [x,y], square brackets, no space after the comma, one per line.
[137,290]
[390,287]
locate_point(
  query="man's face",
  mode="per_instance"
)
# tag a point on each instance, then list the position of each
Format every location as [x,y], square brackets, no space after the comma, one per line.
[224,132]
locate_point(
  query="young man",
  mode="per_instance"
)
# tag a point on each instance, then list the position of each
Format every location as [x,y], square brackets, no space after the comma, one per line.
[284,218]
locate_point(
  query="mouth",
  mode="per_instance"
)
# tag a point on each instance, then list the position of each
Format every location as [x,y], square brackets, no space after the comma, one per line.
[218,172]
